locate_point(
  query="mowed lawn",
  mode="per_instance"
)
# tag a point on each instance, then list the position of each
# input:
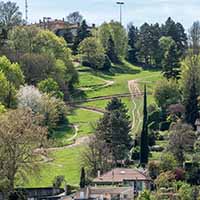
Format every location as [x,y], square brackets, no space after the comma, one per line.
[68,162]
[65,162]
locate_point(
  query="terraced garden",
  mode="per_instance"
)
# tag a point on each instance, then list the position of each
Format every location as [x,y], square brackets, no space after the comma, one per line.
[67,161]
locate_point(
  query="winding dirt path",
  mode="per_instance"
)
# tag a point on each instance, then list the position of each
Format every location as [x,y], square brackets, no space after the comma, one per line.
[136,93]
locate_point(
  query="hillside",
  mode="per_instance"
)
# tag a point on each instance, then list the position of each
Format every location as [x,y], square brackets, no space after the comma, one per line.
[65,160]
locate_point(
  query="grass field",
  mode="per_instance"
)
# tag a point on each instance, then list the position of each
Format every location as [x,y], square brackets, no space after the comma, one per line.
[68,162]
[65,162]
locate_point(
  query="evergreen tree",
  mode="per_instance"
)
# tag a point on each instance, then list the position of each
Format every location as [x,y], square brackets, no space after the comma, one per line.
[177,32]
[82,178]
[110,51]
[171,63]
[113,129]
[82,33]
[144,147]
[132,39]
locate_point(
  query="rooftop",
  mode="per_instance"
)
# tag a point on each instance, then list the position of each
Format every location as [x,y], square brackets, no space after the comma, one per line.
[122,174]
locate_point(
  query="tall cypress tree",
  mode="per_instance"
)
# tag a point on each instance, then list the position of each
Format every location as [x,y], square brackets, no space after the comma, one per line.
[191,104]
[144,147]
[82,178]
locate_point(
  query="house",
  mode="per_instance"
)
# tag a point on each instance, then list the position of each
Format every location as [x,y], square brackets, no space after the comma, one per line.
[105,193]
[134,178]
[197,124]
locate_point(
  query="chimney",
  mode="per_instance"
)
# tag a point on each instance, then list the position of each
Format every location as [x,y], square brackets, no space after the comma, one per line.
[99,174]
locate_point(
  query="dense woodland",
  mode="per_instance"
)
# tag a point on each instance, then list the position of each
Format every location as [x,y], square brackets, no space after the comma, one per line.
[38,84]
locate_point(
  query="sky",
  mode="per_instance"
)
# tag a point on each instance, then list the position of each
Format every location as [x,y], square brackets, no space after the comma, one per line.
[98,11]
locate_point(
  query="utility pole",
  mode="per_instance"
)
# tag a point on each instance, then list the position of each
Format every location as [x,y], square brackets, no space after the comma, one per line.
[120,3]
[26,11]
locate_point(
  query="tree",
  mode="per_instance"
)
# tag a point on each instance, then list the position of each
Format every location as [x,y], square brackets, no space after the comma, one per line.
[190,83]
[113,129]
[119,42]
[144,147]
[92,53]
[194,36]
[53,110]
[170,58]
[182,139]
[132,40]
[167,93]
[75,18]
[82,178]
[111,51]
[12,77]
[36,67]
[96,157]
[64,72]
[10,16]
[177,33]
[20,135]
[21,40]
[82,33]
[50,86]
[144,44]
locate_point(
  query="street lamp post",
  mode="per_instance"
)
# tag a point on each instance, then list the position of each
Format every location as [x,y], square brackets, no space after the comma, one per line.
[120,3]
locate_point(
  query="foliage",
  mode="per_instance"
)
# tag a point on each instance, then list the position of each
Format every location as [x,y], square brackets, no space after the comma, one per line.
[36,67]
[50,86]
[11,79]
[181,140]
[145,195]
[53,110]
[10,15]
[132,39]
[58,180]
[170,58]
[165,179]
[185,192]
[92,53]
[144,147]
[190,84]
[154,169]
[168,162]
[82,33]
[113,37]
[20,135]
[194,38]
[166,93]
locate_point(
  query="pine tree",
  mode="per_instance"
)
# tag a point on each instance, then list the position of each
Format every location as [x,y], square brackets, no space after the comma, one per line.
[113,129]
[110,51]
[132,39]
[82,33]
[171,63]
[82,178]
[144,148]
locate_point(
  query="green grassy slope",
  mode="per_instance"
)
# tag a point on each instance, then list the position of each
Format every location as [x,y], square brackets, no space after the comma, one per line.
[67,162]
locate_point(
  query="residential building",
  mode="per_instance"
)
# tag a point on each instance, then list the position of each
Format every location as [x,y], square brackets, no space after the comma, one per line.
[105,193]
[123,177]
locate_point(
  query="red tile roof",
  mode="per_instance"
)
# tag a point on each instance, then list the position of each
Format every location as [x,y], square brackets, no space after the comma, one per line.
[119,175]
